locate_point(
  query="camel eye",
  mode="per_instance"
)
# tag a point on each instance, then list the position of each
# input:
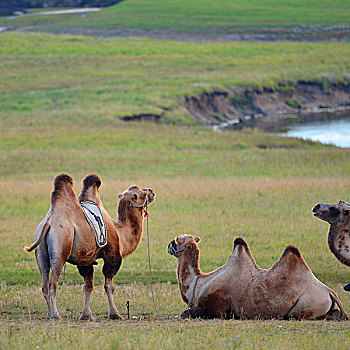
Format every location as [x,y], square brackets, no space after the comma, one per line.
[134,197]
[333,210]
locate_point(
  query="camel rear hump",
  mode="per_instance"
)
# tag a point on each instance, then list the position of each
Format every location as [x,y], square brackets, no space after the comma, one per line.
[291,260]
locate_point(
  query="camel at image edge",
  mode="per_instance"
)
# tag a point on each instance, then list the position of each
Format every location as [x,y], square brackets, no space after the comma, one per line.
[241,289]
[64,235]
[338,217]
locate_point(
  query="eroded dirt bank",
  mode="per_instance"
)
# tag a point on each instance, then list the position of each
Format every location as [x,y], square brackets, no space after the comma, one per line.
[311,33]
[238,106]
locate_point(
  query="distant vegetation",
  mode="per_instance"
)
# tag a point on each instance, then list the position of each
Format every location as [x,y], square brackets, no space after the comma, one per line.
[198,16]
[8,7]
[71,3]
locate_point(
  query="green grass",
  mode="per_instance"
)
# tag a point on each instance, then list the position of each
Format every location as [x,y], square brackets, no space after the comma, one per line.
[60,99]
[46,79]
[198,15]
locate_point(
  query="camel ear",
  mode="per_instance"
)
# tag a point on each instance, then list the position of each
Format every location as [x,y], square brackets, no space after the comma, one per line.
[197,239]
[346,212]
[120,195]
[179,240]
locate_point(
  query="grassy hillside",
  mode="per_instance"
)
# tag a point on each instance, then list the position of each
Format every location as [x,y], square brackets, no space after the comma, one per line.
[50,79]
[199,15]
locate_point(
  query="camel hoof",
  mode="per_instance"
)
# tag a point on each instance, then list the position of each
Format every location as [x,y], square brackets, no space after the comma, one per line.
[86,318]
[185,314]
[116,317]
[56,318]
[334,315]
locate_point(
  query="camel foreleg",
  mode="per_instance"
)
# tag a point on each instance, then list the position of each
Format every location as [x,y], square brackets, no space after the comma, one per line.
[110,269]
[88,273]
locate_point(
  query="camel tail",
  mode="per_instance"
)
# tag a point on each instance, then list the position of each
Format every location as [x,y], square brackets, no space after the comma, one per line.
[335,299]
[44,231]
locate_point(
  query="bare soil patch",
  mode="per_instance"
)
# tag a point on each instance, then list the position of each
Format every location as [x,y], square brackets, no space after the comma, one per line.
[238,106]
[297,33]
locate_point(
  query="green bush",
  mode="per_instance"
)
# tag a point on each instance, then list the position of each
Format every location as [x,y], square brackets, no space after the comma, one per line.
[293,103]
[285,89]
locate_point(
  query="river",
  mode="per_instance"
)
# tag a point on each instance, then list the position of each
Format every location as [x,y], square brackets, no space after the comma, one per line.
[329,128]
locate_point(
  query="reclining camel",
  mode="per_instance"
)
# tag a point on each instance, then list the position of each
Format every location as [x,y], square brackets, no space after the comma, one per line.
[241,289]
[65,235]
[338,216]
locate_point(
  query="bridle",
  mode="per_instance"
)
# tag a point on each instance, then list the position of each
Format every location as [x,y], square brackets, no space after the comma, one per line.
[194,290]
[144,206]
[173,251]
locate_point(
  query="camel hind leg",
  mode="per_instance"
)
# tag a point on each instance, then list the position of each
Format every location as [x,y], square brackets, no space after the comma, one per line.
[56,269]
[336,314]
[309,306]
[110,269]
[43,262]
[59,243]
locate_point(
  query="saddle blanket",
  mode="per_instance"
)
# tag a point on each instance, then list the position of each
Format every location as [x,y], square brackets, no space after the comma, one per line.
[94,217]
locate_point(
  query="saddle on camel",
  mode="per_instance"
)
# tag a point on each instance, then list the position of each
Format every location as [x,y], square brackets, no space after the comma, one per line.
[65,235]
[241,289]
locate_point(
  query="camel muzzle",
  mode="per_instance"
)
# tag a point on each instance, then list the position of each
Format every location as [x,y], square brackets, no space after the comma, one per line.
[318,209]
[172,249]
[326,212]
[151,195]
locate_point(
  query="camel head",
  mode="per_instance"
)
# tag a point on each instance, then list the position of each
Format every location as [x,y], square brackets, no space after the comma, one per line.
[134,198]
[181,243]
[333,213]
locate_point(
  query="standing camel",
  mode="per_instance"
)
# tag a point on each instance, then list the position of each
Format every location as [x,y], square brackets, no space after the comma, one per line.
[64,235]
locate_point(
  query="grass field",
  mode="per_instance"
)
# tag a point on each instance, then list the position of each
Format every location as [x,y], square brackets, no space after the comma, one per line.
[75,80]
[60,98]
[198,16]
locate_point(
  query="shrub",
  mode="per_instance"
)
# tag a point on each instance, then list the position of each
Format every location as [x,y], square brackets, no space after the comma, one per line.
[293,103]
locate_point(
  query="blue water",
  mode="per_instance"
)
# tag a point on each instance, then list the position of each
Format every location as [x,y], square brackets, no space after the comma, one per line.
[336,132]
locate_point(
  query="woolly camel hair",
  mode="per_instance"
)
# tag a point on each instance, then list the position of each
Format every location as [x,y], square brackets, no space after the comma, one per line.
[64,235]
[338,216]
[241,289]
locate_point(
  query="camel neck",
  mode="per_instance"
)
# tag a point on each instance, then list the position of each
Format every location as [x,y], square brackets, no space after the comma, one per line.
[335,229]
[188,270]
[130,230]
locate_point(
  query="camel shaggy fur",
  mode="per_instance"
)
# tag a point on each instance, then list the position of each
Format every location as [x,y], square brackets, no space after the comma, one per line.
[241,289]
[64,235]
[338,216]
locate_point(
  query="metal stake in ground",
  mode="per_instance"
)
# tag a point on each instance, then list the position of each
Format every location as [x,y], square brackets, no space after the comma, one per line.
[128,308]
